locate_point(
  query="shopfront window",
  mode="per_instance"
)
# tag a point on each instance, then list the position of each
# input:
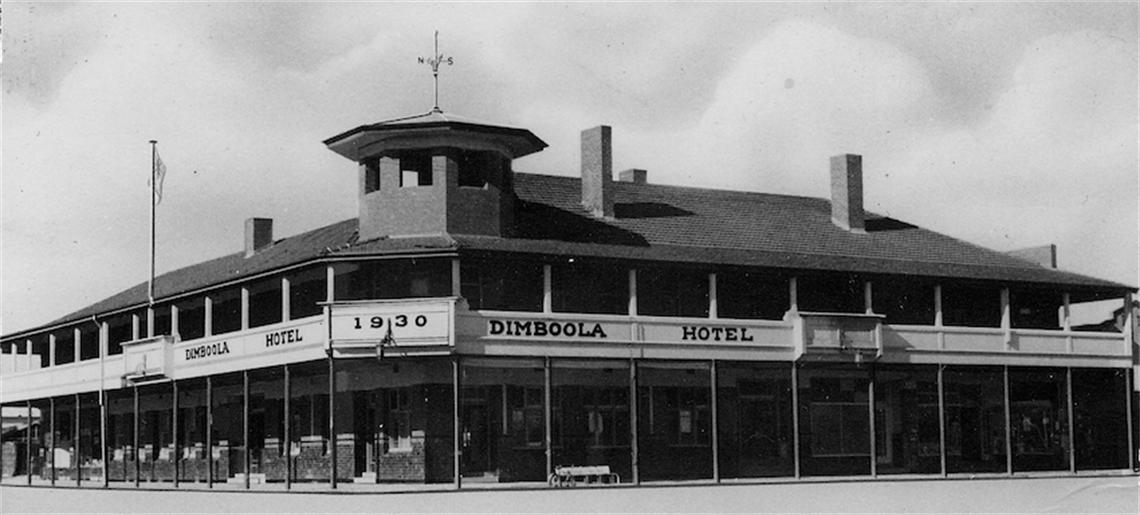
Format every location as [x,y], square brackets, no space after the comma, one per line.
[975,419]
[906,420]
[593,414]
[503,419]
[835,429]
[193,453]
[1100,402]
[156,443]
[674,420]
[755,419]
[1038,408]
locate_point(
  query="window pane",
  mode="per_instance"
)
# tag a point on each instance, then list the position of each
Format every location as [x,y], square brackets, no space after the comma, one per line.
[88,342]
[1032,308]
[751,295]
[971,306]
[903,300]
[508,285]
[64,346]
[226,311]
[265,302]
[192,318]
[306,291]
[830,294]
[120,328]
[662,292]
[162,321]
[590,288]
[393,279]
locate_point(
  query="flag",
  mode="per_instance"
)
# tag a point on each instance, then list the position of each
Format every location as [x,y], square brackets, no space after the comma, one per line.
[158,176]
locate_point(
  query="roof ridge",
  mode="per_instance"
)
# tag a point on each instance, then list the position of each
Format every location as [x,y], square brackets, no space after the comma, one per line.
[681,187]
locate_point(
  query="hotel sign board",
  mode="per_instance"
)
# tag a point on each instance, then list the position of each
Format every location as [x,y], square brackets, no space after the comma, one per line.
[271,339]
[721,332]
[402,323]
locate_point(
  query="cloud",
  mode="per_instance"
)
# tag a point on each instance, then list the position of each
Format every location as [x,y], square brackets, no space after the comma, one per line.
[1054,162]
[802,94]
[996,124]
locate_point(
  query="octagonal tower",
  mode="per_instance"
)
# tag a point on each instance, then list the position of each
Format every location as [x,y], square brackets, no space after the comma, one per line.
[435,173]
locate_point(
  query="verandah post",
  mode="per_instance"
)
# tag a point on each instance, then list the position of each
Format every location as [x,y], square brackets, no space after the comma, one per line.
[633,450]
[77,453]
[209,432]
[1008,429]
[28,442]
[135,426]
[288,432]
[245,423]
[51,439]
[456,449]
[332,422]
[174,428]
[796,418]
[1069,406]
[942,419]
[871,422]
[713,387]
[546,416]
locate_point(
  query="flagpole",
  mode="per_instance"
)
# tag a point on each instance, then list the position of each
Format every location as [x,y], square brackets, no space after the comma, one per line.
[153,189]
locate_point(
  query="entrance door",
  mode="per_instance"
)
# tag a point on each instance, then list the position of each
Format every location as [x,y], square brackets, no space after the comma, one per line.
[759,439]
[474,434]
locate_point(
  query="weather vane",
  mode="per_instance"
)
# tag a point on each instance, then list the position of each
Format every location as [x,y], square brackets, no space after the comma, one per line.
[435,62]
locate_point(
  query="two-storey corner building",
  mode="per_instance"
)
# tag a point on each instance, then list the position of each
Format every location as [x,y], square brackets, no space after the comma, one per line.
[474,324]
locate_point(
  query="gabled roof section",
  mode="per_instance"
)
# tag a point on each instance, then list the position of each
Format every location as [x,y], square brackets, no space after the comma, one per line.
[651,223]
[338,239]
[752,229]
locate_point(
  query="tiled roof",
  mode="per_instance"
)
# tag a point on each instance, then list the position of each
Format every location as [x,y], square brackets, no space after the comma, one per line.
[652,223]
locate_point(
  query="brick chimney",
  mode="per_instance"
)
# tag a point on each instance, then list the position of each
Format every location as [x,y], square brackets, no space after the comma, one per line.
[847,192]
[597,172]
[258,235]
[1044,255]
[634,175]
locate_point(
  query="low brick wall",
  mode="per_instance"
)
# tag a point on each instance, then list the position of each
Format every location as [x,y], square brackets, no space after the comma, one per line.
[403,465]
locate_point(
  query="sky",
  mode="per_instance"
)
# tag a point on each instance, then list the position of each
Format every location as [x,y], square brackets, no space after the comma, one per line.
[1008,125]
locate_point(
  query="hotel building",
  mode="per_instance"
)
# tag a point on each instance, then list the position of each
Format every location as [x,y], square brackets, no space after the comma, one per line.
[474,324]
